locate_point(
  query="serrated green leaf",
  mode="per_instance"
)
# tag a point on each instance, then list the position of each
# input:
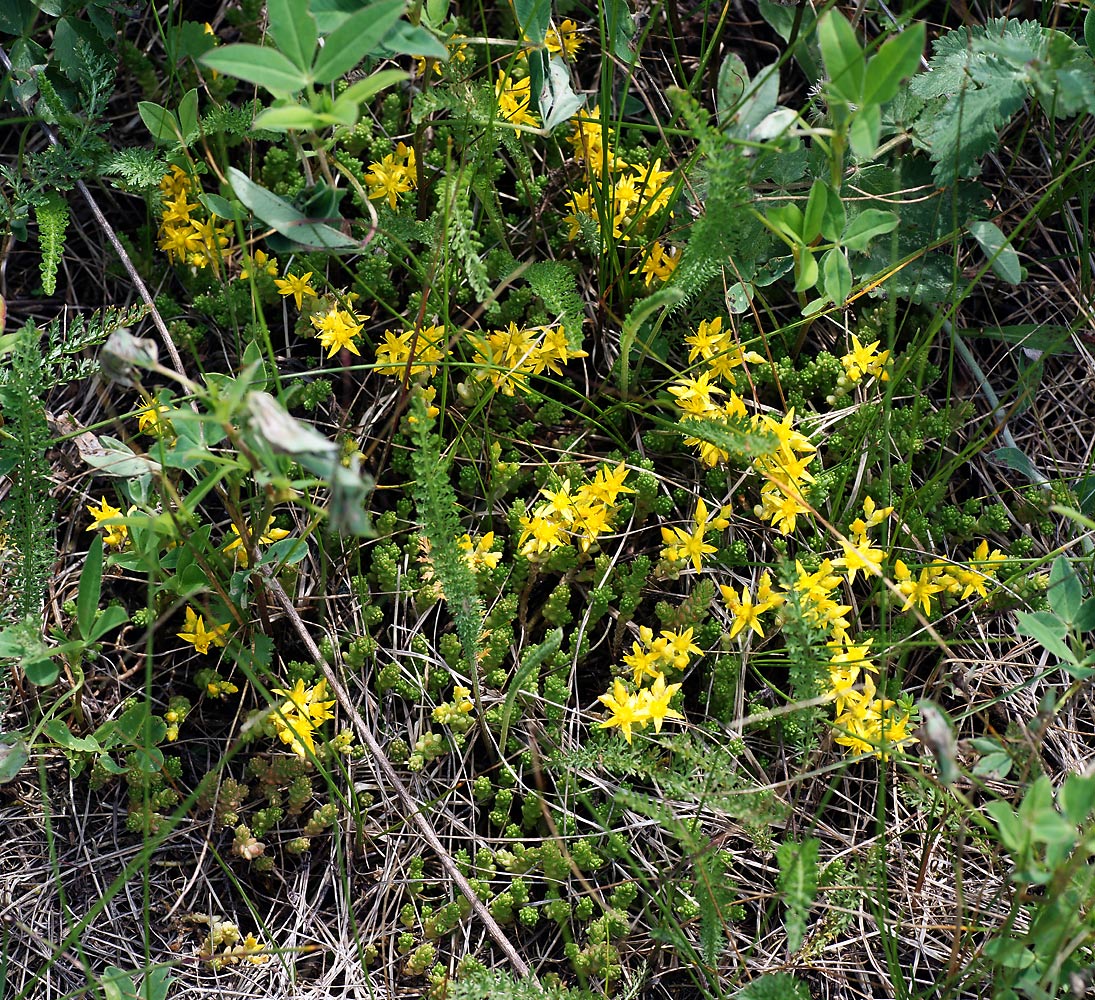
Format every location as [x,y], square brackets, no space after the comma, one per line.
[293,29]
[358,36]
[262,66]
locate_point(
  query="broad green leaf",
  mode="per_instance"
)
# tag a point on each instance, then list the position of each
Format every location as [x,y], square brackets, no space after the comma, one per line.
[372,85]
[117,984]
[280,215]
[836,276]
[807,272]
[13,755]
[1002,255]
[786,219]
[1089,29]
[112,617]
[293,29]
[57,731]
[834,218]
[871,222]
[41,671]
[113,458]
[284,117]
[730,89]
[865,131]
[358,36]
[1048,630]
[558,102]
[842,55]
[898,58]
[91,582]
[816,204]
[761,98]
[188,113]
[162,123]
[1065,590]
[1013,458]
[1085,617]
[1013,833]
[415,40]
[533,16]
[220,207]
[621,29]
[1076,797]
[263,66]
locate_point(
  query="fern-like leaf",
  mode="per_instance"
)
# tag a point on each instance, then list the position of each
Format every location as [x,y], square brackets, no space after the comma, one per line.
[437,506]
[52,215]
[798,875]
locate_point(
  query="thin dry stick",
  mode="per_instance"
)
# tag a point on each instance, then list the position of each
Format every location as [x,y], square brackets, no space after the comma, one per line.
[385,765]
[111,236]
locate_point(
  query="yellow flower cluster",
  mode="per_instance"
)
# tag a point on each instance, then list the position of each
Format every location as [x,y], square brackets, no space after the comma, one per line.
[745,611]
[649,658]
[267,536]
[865,723]
[458,53]
[454,711]
[201,638]
[689,546]
[507,357]
[956,581]
[187,239]
[234,947]
[863,361]
[151,420]
[573,518]
[392,175]
[631,194]
[337,329]
[304,711]
[658,263]
[427,345]
[478,554]
[513,100]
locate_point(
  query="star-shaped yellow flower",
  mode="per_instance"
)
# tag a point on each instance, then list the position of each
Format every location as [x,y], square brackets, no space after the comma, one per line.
[298,287]
[201,638]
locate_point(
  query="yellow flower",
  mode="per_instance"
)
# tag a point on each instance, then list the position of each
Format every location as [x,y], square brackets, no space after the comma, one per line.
[658,264]
[298,287]
[260,263]
[114,535]
[337,329]
[565,39]
[627,709]
[195,632]
[862,361]
[656,700]
[513,100]
[478,555]
[267,536]
[389,179]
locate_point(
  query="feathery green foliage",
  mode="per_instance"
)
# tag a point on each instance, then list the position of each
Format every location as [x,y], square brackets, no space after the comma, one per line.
[52,215]
[437,505]
[798,875]
[28,508]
